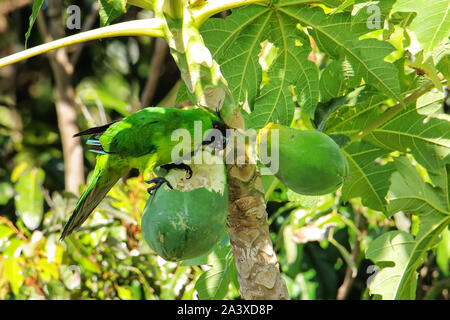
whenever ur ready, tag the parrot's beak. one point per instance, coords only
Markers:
(224, 141)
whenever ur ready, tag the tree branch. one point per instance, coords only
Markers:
(391, 112)
(145, 27)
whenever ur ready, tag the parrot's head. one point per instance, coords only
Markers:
(217, 138)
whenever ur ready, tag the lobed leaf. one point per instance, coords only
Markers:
(213, 284)
(410, 194)
(338, 36)
(418, 130)
(110, 10)
(432, 23)
(369, 179)
(235, 43)
(441, 56)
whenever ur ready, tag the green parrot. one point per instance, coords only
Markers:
(143, 141)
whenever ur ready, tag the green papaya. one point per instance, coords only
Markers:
(310, 162)
(187, 221)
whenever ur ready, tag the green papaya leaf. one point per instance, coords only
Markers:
(110, 10)
(6, 192)
(352, 112)
(369, 177)
(408, 193)
(337, 35)
(29, 199)
(443, 253)
(123, 292)
(5, 232)
(344, 5)
(426, 65)
(441, 56)
(336, 78)
(237, 44)
(13, 272)
(213, 284)
(37, 4)
(420, 129)
(394, 246)
(432, 23)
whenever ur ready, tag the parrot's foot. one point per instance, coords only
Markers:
(158, 182)
(183, 166)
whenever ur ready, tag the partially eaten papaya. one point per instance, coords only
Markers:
(187, 221)
(310, 162)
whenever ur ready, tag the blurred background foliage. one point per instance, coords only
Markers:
(319, 241)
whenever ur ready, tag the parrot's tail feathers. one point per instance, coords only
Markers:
(96, 146)
(101, 151)
(94, 130)
(93, 142)
(86, 204)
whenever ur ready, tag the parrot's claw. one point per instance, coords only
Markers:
(158, 182)
(183, 166)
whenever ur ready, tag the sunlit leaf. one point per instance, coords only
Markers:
(37, 4)
(432, 23)
(410, 194)
(29, 199)
(213, 284)
(123, 292)
(338, 37)
(236, 46)
(109, 10)
(443, 253)
(13, 272)
(395, 246)
(420, 130)
(369, 178)
(6, 192)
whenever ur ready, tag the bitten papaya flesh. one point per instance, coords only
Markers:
(187, 221)
(310, 162)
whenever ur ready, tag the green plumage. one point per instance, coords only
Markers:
(141, 140)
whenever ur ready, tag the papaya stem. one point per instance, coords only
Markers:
(145, 27)
(391, 112)
(210, 8)
(146, 4)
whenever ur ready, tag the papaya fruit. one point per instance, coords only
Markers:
(310, 162)
(187, 221)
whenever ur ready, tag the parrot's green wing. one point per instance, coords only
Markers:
(150, 130)
(142, 132)
(142, 140)
(108, 170)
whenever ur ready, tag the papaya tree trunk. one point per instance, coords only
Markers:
(256, 262)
